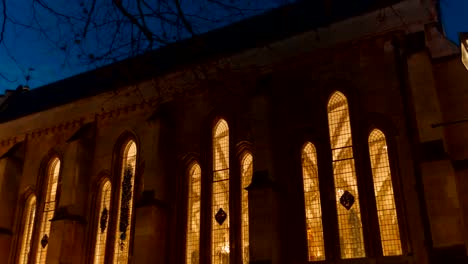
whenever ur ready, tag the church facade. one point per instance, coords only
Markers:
(305, 135)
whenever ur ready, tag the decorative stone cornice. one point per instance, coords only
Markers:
(69, 125)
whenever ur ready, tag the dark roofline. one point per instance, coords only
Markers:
(253, 32)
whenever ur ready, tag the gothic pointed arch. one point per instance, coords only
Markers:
(193, 213)
(313, 210)
(124, 181)
(384, 194)
(49, 200)
(27, 226)
(345, 178)
(102, 215)
(220, 233)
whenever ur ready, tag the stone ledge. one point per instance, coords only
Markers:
(62, 214)
(147, 199)
(5, 231)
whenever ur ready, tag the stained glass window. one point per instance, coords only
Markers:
(246, 171)
(384, 197)
(28, 225)
(53, 171)
(313, 211)
(125, 205)
(344, 174)
(102, 222)
(193, 215)
(220, 198)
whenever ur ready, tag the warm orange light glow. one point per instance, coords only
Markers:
(464, 49)
(384, 197)
(313, 210)
(344, 173)
(28, 224)
(193, 216)
(220, 199)
(122, 241)
(247, 171)
(49, 209)
(101, 230)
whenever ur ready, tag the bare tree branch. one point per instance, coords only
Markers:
(4, 20)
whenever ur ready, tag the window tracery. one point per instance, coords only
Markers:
(313, 211)
(246, 178)
(384, 196)
(346, 189)
(103, 219)
(125, 204)
(220, 195)
(193, 216)
(28, 220)
(53, 171)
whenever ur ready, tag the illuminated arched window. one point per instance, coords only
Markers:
(313, 210)
(247, 171)
(383, 189)
(344, 174)
(193, 215)
(125, 204)
(104, 198)
(53, 171)
(220, 198)
(28, 224)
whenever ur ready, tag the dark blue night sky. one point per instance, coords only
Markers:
(26, 50)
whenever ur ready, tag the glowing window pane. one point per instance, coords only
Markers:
(125, 208)
(49, 209)
(312, 203)
(102, 222)
(383, 189)
(247, 171)
(193, 223)
(220, 199)
(344, 174)
(28, 220)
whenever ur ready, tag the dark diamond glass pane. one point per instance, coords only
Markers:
(44, 241)
(347, 200)
(220, 216)
(103, 219)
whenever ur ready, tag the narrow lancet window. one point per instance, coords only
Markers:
(344, 174)
(313, 211)
(384, 197)
(125, 206)
(220, 198)
(193, 215)
(28, 224)
(52, 177)
(246, 171)
(102, 222)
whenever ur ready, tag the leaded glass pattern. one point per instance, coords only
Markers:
(125, 205)
(193, 215)
(220, 197)
(102, 222)
(53, 171)
(246, 173)
(344, 174)
(313, 211)
(28, 225)
(384, 197)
